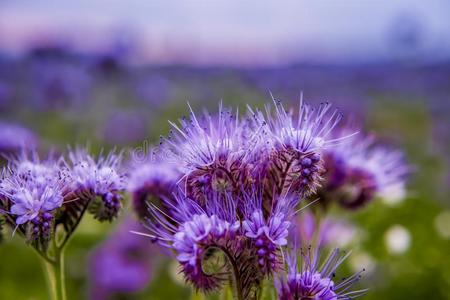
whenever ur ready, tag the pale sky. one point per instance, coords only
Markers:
(233, 31)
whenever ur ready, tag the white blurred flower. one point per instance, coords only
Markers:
(362, 260)
(397, 239)
(394, 194)
(442, 224)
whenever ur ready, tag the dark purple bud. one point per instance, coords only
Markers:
(306, 162)
(259, 242)
(47, 216)
(315, 157)
(306, 172)
(261, 252)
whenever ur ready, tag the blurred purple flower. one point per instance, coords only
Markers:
(58, 85)
(153, 89)
(150, 182)
(124, 127)
(123, 264)
(13, 138)
(331, 231)
(358, 170)
(5, 95)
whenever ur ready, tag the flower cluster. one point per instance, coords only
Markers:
(38, 195)
(221, 191)
(98, 179)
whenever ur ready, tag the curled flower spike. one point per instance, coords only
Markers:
(235, 228)
(358, 170)
(213, 152)
(309, 280)
(193, 233)
(99, 177)
(268, 234)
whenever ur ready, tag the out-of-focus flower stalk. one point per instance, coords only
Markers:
(54, 271)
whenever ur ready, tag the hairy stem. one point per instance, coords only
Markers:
(237, 284)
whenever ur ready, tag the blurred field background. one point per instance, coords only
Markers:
(110, 74)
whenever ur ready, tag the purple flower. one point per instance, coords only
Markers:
(331, 231)
(124, 127)
(311, 281)
(39, 196)
(122, 264)
(358, 170)
(202, 230)
(30, 201)
(58, 85)
(268, 235)
(151, 181)
(99, 177)
(227, 224)
(31, 192)
(192, 231)
(153, 89)
(293, 147)
(214, 153)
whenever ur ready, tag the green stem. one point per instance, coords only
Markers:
(55, 276)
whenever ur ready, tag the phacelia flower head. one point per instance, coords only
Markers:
(311, 280)
(212, 151)
(31, 191)
(100, 178)
(293, 149)
(150, 181)
(358, 170)
(193, 232)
